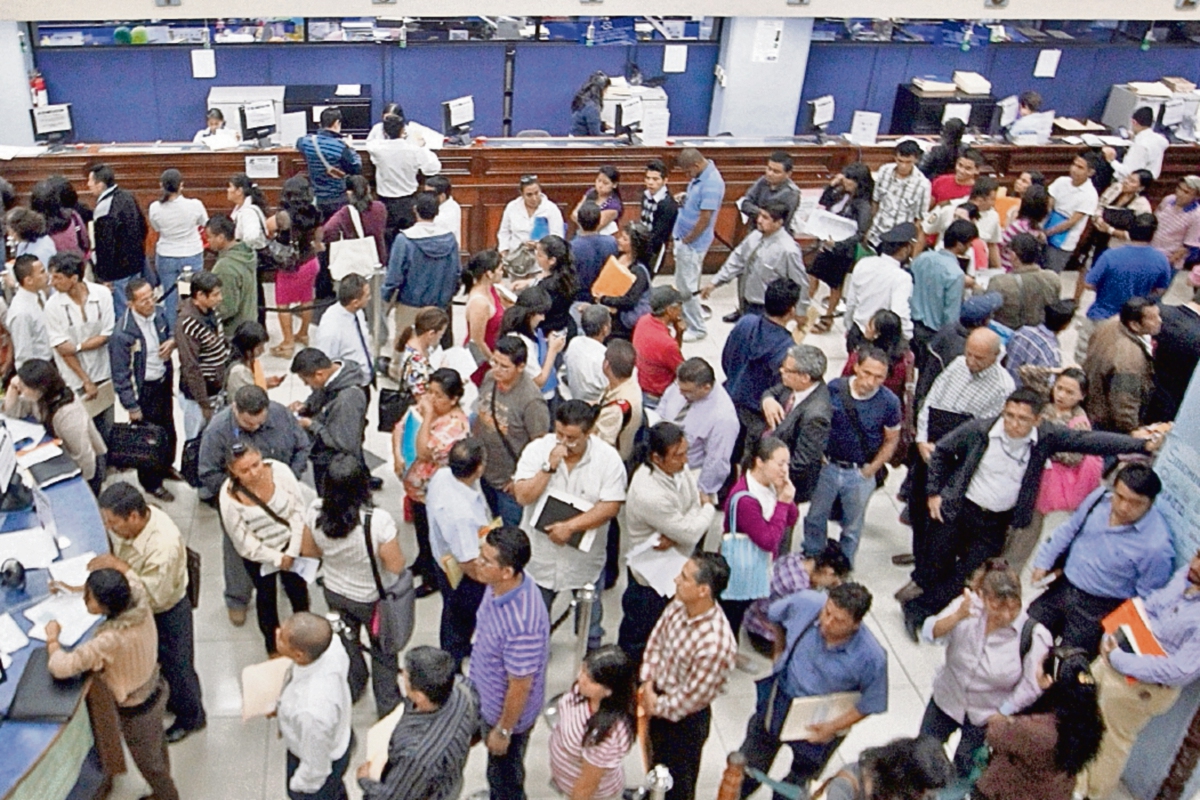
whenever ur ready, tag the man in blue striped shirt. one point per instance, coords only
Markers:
(330, 160)
(508, 660)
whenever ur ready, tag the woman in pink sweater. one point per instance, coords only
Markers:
(762, 508)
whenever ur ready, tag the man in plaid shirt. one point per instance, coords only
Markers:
(901, 193)
(687, 660)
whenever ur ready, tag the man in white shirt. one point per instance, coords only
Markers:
(1075, 198)
(570, 463)
(397, 162)
(1147, 149)
(314, 708)
(584, 358)
(26, 319)
(881, 282)
(519, 215)
(343, 334)
(79, 319)
(449, 216)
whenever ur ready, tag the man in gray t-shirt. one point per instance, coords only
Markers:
(510, 413)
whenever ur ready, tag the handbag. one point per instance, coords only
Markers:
(189, 466)
(353, 256)
(395, 611)
(749, 564)
(394, 403)
(139, 445)
(193, 574)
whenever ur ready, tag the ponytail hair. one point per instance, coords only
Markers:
(249, 188)
(171, 181)
(481, 263)
(430, 318)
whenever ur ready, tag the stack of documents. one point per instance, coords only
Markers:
(1180, 85)
(659, 568)
(825, 226)
(70, 612)
(934, 85)
(1149, 89)
(33, 547)
(261, 686)
(972, 83)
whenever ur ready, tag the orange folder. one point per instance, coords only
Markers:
(614, 279)
(1132, 614)
(1004, 205)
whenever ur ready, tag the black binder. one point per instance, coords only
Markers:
(556, 510)
(53, 470)
(40, 697)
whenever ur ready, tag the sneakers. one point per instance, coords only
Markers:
(693, 336)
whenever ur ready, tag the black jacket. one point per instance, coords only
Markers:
(120, 228)
(959, 452)
(127, 353)
(662, 225)
(805, 430)
(947, 344)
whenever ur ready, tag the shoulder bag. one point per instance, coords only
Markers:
(336, 173)
(395, 610)
(512, 453)
(394, 403)
(749, 564)
(275, 255)
(1060, 563)
(353, 256)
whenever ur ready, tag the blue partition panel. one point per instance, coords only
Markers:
(421, 78)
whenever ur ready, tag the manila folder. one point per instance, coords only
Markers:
(261, 686)
(815, 710)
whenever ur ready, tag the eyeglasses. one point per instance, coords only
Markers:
(526, 180)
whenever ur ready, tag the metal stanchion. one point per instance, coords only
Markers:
(583, 621)
(659, 782)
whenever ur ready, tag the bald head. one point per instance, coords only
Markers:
(304, 637)
(983, 348)
(691, 161)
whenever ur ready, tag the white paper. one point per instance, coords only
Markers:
(462, 111)
(261, 686)
(293, 126)
(656, 123)
(825, 226)
(72, 571)
(675, 58)
(71, 613)
(1047, 64)
(1009, 108)
(1172, 112)
(1091, 140)
(204, 63)
(956, 111)
(52, 119)
(8, 458)
(659, 568)
(768, 40)
(20, 429)
(12, 638)
(823, 109)
(815, 710)
(317, 111)
(348, 90)
(864, 128)
(36, 454)
(33, 547)
(259, 114)
(301, 565)
(262, 167)
(378, 738)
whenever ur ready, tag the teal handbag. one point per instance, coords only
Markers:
(749, 564)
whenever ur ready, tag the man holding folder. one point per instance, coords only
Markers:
(826, 651)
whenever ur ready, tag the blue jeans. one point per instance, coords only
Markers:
(688, 264)
(169, 269)
(595, 629)
(118, 291)
(503, 505)
(848, 484)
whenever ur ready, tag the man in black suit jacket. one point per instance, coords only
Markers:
(984, 477)
(120, 240)
(798, 411)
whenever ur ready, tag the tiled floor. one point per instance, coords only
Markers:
(235, 760)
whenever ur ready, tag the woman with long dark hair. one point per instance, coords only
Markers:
(902, 769)
(940, 160)
(606, 195)
(249, 210)
(1034, 208)
(245, 368)
(595, 728)
(485, 308)
(635, 254)
(848, 195)
(297, 287)
(372, 215)
(335, 533)
(524, 319)
(560, 282)
(178, 220)
(1039, 751)
(56, 200)
(38, 390)
(586, 104)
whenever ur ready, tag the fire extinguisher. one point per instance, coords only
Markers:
(37, 89)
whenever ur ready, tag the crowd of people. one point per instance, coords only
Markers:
(574, 435)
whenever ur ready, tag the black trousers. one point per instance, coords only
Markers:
(459, 607)
(265, 601)
(334, 787)
(424, 566)
(401, 215)
(677, 746)
(384, 671)
(761, 746)
(957, 548)
(1070, 612)
(939, 725)
(177, 661)
(922, 335)
(157, 407)
(735, 612)
(641, 607)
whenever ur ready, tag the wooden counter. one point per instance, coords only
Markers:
(486, 178)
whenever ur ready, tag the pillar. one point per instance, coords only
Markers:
(760, 95)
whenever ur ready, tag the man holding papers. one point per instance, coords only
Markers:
(827, 651)
(1136, 688)
(569, 469)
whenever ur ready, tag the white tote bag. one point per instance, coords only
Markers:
(353, 256)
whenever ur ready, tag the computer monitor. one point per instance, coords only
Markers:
(627, 118)
(258, 120)
(819, 114)
(52, 124)
(457, 117)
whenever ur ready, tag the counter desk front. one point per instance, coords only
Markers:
(485, 176)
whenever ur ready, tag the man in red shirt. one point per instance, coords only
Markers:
(656, 340)
(958, 185)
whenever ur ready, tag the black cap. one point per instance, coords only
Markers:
(901, 234)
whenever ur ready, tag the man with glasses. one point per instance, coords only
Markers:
(518, 224)
(510, 413)
(798, 411)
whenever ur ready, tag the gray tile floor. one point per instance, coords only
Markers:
(235, 760)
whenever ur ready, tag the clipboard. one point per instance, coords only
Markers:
(806, 711)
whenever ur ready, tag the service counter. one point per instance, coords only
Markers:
(485, 176)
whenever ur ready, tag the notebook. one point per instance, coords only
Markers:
(54, 470)
(40, 697)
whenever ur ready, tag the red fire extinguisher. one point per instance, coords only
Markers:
(37, 89)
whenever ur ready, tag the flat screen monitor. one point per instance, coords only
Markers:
(458, 115)
(820, 112)
(52, 123)
(258, 119)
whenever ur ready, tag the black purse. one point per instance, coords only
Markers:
(394, 403)
(139, 445)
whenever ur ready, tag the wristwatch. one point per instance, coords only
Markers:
(546, 466)
(504, 732)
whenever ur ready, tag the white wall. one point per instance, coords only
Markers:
(15, 127)
(759, 98)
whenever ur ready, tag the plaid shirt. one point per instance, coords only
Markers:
(688, 658)
(1032, 346)
(959, 391)
(899, 199)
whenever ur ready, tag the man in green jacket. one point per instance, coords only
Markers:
(237, 266)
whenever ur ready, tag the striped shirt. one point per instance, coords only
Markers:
(339, 155)
(254, 533)
(512, 640)
(688, 658)
(428, 750)
(203, 352)
(1032, 345)
(900, 200)
(959, 391)
(568, 752)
